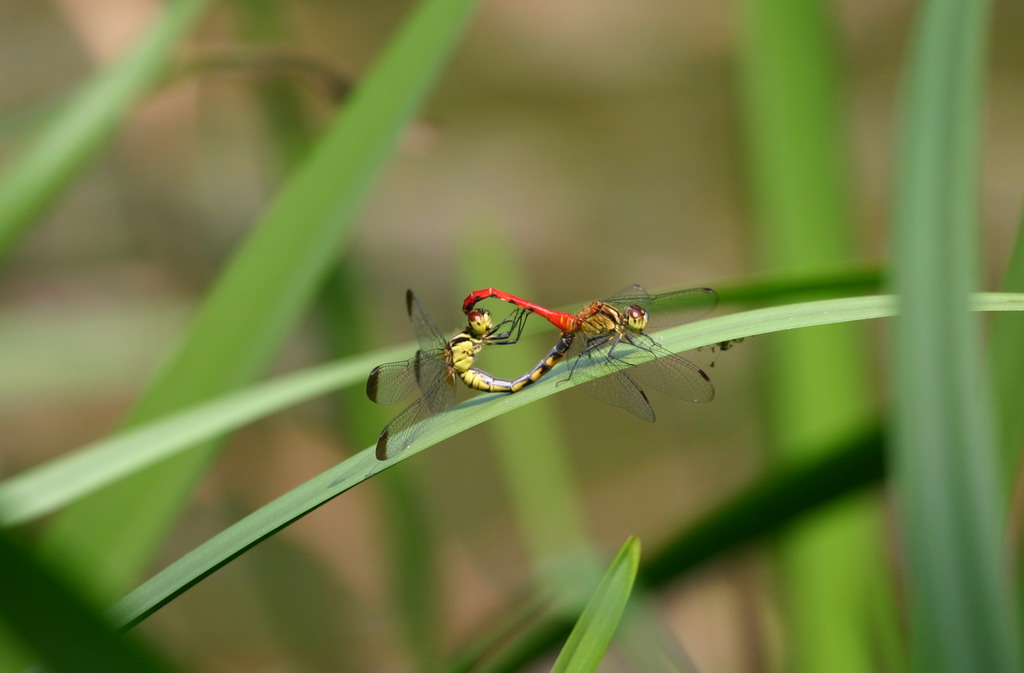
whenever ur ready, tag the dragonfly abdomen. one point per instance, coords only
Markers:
(563, 321)
(481, 380)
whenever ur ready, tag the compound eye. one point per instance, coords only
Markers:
(479, 320)
(636, 318)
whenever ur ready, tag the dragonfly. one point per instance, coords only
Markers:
(607, 346)
(433, 370)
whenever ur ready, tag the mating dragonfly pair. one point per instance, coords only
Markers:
(605, 344)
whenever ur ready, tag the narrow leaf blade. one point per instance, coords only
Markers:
(959, 591)
(589, 639)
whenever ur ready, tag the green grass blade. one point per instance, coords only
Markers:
(244, 534)
(262, 294)
(80, 130)
(46, 488)
(44, 614)
(593, 632)
(944, 460)
(799, 169)
(789, 286)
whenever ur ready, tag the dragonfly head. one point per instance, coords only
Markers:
(636, 318)
(480, 322)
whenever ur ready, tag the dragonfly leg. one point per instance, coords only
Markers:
(590, 344)
(516, 321)
(642, 342)
(596, 341)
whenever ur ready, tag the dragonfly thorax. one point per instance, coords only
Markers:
(462, 350)
(598, 318)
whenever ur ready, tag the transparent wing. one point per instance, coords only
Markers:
(630, 293)
(590, 365)
(677, 377)
(669, 308)
(432, 370)
(393, 382)
(655, 367)
(412, 421)
(620, 390)
(428, 335)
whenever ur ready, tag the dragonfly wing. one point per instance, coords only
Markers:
(628, 294)
(428, 335)
(655, 367)
(392, 382)
(618, 388)
(681, 306)
(436, 384)
(677, 377)
(412, 421)
(399, 434)
(669, 308)
(429, 370)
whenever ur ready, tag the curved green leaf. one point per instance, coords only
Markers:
(48, 487)
(235, 540)
(593, 632)
(960, 596)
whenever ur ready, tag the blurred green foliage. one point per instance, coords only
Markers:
(282, 173)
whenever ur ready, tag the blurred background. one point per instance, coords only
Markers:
(578, 146)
